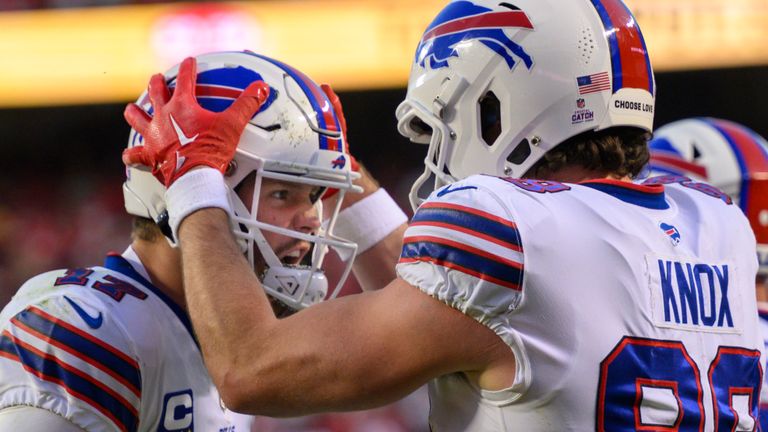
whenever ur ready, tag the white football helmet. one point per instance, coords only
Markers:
(295, 137)
(729, 156)
(547, 70)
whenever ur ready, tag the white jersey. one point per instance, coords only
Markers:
(762, 309)
(628, 307)
(108, 351)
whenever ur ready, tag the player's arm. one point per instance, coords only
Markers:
(374, 222)
(371, 219)
(351, 353)
(27, 418)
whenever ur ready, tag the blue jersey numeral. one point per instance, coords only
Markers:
(538, 186)
(110, 285)
(661, 376)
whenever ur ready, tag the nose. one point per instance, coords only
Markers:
(307, 221)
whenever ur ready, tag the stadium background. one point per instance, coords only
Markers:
(60, 170)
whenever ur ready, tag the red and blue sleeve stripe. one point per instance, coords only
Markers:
(69, 338)
(77, 383)
(320, 104)
(469, 221)
(466, 259)
(630, 63)
(455, 253)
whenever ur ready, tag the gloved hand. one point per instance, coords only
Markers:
(336, 103)
(181, 134)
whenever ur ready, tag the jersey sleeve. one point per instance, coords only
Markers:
(463, 248)
(63, 352)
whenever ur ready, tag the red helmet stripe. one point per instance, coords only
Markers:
(203, 90)
(678, 163)
(629, 57)
(484, 20)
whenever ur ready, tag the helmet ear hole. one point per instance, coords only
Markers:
(490, 117)
(418, 126)
(520, 153)
(696, 151)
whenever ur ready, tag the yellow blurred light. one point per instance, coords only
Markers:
(74, 56)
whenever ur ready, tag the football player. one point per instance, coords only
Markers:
(111, 347)
(548, 293)
(734, 159)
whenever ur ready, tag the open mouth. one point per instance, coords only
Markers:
(295, 255)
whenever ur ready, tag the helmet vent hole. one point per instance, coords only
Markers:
(520, 153)
(490, 117)
(586, 45)
(696, 151)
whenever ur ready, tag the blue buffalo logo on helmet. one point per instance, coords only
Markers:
(339, 162)
(218, 88)
(463, 20)
(671, 232)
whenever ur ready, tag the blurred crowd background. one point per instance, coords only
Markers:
(60, 170)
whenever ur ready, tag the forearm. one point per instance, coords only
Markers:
(377, 225)
(375, 268)
(227, 304)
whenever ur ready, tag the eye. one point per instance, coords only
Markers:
(280, 194)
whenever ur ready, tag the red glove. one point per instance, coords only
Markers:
(336, 103)
(182, 135)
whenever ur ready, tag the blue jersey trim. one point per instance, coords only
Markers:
(651, 200)
(121, 265)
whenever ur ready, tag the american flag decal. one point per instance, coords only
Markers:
(593, 83)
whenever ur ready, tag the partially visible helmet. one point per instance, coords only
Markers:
(495, 85)
(295, 137)
(726, 155)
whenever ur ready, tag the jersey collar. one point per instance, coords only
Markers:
(120, 264)
(648, 196)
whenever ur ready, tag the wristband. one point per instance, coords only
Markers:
(197, 189)
(368, 221)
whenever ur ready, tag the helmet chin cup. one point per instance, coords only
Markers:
(297, 287)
